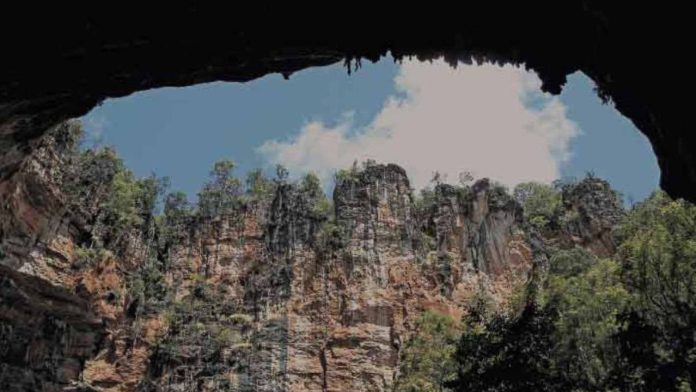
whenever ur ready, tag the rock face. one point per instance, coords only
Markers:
(591, 210)
(270, 296)
(334, 320)
(46, 334)
(31, 207)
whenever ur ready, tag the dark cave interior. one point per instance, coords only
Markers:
(62, 61)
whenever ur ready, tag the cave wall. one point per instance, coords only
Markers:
(61, 60)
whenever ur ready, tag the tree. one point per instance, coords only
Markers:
(90, 177)
(427, 362)
(151, 189)
(176, 207)
(122, 208)
(282, 174)
(67, 137)
(658, 253)
(318, 205)
(311, 186)
(562, 340)
(221, 195)
(131, 205)
(258, 186)
(506, 354)
(585, 296)
(540, 203)
(177, 216)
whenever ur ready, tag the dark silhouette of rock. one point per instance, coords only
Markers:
(60, 60)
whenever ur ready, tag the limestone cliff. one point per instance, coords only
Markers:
(270, 296)
(46, 334)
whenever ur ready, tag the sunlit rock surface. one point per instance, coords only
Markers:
(264, 302)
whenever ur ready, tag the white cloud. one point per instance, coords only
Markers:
(473, 118)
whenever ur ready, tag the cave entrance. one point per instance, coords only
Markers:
(217, 280)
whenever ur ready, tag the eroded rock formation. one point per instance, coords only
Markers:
(271, 295)
(46, 334)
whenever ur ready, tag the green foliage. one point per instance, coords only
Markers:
(149, 193)
(177, 212)
(540, 203)
(241, 319)
(498, 196)
(322, 208)
(222, 171)
(148, 289)
(330, 237)
(658, 251)
(561, 341)
(311, 186)
(427, 362)
(98, 184)
(176, 205)
(658, 246)
(225, 337)
(343, 175)
(175, 223)
(122, 205)
(480, 308)
(506, 354)
(89, 176)
(282, 174)
(85, 257)
(425, 201)
(221, 195)
(318, 206)
(590, 325)
(570, 262)
(258, 186)
(347, 174)
(67, 138)
(599, 325)
(130, 205)
(585, 305)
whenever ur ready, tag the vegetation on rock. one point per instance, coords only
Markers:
(607, 299)
(427, 361)
(599, 324)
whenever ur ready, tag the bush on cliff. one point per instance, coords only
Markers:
(427, 362)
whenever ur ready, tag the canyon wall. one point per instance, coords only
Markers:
(269, 296)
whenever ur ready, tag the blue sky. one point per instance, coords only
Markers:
(487, 119)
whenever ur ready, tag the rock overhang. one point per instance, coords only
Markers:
(62, 60)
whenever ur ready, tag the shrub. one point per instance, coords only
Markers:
(540, 203)
(427, 362)
(241, 319)
(86, 257)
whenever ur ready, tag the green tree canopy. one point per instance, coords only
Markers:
(540, 203)
(562, 340)
(258, 186)
(427, 362)
(658, 252)
(221, 194)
